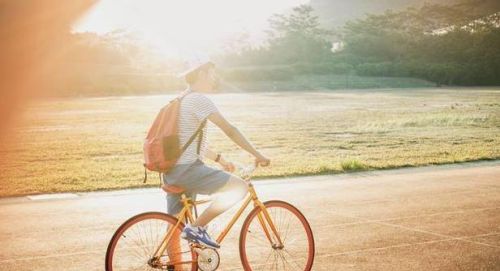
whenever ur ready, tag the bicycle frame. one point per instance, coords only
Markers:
(186, 215)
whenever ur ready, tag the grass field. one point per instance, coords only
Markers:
(336, 82)
(85, 144)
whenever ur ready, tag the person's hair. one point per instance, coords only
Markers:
(193, 76)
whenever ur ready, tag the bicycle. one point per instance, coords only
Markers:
(274, 236)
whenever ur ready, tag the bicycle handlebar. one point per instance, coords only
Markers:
(245, 171)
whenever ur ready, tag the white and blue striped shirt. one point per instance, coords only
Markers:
(195, 107)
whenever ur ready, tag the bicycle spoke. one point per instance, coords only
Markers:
(276, 261)
(268, 256)
(150, 238)
(285, 234)
(139, 242)
(261, 238)
(284, 262)
(288, 263)
(280, 220)
(297, 256)
(127, 240)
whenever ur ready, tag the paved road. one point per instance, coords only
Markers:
(431, 218)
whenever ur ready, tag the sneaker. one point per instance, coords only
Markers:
(198, 235)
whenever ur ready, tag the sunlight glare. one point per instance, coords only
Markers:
(184, 27)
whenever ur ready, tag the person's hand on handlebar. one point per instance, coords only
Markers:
(227, 165)
(261, 160)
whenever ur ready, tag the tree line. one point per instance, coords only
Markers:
(446, 44)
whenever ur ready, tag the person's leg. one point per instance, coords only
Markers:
(174, 250)
(231, 193)
(227, 190)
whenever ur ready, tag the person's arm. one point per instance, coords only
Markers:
(237, 137)
(210, 154)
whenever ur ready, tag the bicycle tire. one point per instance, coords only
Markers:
(253, 254)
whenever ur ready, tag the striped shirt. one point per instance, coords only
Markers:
(195, 107)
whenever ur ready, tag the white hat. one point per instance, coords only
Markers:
(195, 63)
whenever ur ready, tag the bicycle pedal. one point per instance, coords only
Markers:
(189, 240)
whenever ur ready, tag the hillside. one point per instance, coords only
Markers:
(334, 13)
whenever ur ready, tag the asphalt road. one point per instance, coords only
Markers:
(431, 218)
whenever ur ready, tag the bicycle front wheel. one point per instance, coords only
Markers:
(134, 243)
(257, 252)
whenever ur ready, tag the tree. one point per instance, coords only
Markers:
(444, 44)
(297, 37)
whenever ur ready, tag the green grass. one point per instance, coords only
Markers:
(86, 144)
(335, 82)
(353, 165)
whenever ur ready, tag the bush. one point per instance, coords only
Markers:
(353, 165)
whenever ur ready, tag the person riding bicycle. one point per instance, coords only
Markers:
(190, 172)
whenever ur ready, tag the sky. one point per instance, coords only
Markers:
(184, 27)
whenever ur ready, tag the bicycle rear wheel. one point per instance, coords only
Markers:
(134, 243)
(258, 253)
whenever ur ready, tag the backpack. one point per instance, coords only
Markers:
(162, 145)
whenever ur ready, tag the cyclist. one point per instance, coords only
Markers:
(190, 172)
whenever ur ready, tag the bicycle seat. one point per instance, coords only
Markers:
(170, 188)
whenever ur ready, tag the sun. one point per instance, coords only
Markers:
(179, 28)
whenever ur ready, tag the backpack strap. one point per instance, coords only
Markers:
(200, 137)
(180, 97)
(199, 133)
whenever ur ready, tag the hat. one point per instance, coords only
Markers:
(195, 63)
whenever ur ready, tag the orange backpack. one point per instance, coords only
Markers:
(162, 145)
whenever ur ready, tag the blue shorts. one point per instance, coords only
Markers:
(195, 178)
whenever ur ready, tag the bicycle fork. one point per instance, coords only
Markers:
(264, 217)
